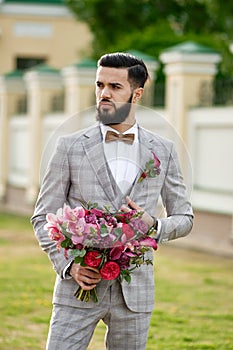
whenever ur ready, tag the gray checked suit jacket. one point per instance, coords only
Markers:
(78, 173)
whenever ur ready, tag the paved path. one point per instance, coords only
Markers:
(211, 233)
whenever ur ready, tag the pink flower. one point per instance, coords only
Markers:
(79, 212)
(77, 240)
(116, 252)
(156, 160)
(97, 212)
(124, 261)
(76, 227)
(56, 235)
(127, 231)
(52, 220)
(139, 225)
(68, 213)
(148, 242)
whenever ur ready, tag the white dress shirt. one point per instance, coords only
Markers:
(122, 158)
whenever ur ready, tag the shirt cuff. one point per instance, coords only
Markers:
(64, 272)
(156, 236)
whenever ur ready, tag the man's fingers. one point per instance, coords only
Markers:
(86, 277)
(132, 204)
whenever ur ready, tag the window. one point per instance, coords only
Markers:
(28, 62)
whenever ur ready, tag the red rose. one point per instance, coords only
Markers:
(144, 175)
(92, 259)
(128, 231)
(110, 270)
(97, 212)
(122, 217)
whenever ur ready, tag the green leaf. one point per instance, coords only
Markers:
(78, 260)
(78, 253)
(118, 232)
(67, 243)
(125, 275)
(91, 205)
(103, 231)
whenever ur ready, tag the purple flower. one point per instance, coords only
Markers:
(156, 160)
(148, 242)
(91, 218)
(139, 225)
(116, 252)
(124, 262)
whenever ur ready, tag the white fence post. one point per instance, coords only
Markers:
(41, 84)
(79, 81)
(11, 88)
(187, 65)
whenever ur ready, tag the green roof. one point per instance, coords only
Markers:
(44, 68)
(17, 73)
(86, 63)
(142, 55)
(190, 47)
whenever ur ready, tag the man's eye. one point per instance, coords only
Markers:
(115, 86)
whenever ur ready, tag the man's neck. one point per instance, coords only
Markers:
(122, 127)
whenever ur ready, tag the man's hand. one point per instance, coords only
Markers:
(132, 205)
(86, 277)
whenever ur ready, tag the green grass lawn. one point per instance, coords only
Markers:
(193, 306)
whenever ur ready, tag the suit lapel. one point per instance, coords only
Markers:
(145, 149)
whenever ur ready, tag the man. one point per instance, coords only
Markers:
(88, 167)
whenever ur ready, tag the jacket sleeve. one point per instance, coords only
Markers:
(52, 196)
(179, 220)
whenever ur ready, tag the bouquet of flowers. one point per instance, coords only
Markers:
(115, 243)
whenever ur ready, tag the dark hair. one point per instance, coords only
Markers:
(137, 71)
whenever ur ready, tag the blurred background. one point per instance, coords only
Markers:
(48, 55)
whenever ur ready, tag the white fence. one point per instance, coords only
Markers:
(210, 144)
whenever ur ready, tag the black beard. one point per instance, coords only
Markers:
(118, 116)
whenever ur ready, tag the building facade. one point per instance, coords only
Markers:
(40, 31)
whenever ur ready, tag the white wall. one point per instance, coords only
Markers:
(210, 144)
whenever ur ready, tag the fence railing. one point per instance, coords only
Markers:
(217, 93)
(159, 94)
(223, 92)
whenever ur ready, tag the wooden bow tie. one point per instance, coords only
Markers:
(113, 136)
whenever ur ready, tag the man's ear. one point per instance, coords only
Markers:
(137, 94)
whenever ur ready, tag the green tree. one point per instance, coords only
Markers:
(153, 25)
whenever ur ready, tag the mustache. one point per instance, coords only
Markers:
(106, 100)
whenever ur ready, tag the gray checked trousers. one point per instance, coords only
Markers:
(72, 328)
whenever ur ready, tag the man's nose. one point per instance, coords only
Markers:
(105, 93)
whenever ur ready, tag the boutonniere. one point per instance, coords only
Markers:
(152, 168)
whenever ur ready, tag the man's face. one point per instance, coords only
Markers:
(113, 95)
